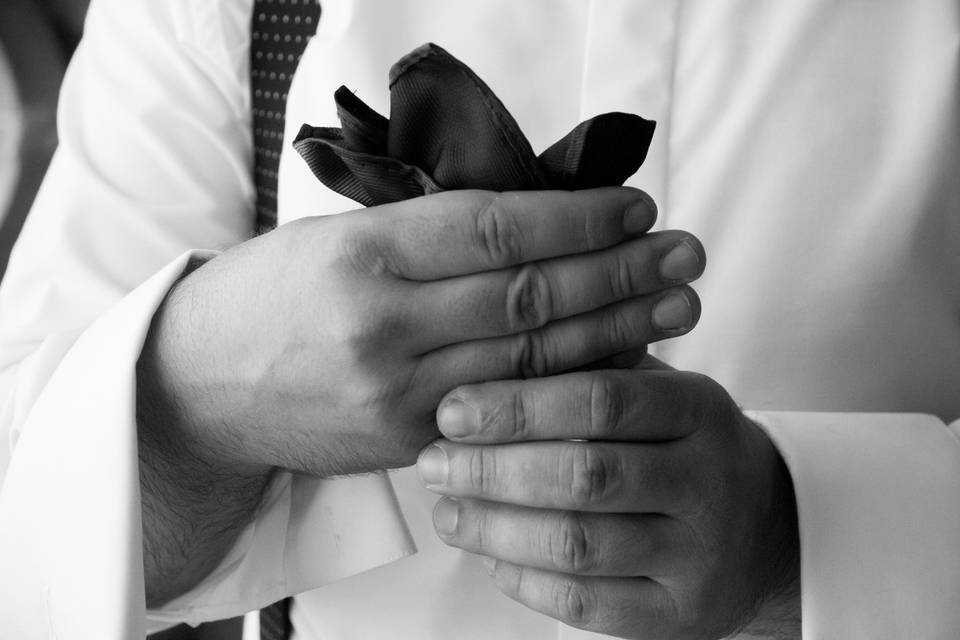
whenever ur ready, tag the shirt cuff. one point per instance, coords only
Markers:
(309, 532)
(70, 528)
(70, 543)
(877, 501)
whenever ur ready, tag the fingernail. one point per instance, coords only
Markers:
(680, 263)
(489, 564)
(672, 312)
(457, 419)
(640, 216)
(432, 466)
(445, 516)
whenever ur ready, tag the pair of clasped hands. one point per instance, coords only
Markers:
(638, 502)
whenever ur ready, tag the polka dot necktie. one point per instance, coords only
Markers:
(280, 32)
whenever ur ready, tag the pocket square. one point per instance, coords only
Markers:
(448, 130)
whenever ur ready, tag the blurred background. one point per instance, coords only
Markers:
(37, 38)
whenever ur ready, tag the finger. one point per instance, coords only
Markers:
(565, 344)
(607, 544)
(628, 359)
(629, 406)
(580, 476)
(461, 232)
(632, 359)
(510, 301)
(623, 607)
(649, 363)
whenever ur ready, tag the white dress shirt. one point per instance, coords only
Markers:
(810, 144)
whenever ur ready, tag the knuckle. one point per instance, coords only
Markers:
(568, 547)
(519, 417)
(482, 530)
(507, 420)
(620, 328)
(601, 222)
(482, 470)
(592, 475)
(359, 251)
(529, 301)
(364, 392)
(598, 231)
(498, 235)
(529, 355)
(574, 602)
(368, 334)
(606, 406)
(623, 279)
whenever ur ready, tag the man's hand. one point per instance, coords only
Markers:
(641, 504)
(326, 345)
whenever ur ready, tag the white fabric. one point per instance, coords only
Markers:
(810, 144)
(11, 133)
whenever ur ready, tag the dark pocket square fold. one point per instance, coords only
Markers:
(447, 130)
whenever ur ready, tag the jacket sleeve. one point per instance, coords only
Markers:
(153, 169)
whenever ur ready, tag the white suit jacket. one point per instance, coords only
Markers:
(811, 144)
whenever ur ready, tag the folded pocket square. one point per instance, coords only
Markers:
(447, 130)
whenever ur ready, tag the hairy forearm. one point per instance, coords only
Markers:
(194, 506)
(191, 515)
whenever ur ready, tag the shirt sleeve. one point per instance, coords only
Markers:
(877, 499)
(153, 169)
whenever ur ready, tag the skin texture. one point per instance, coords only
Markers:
(325, 346)
(641, 504)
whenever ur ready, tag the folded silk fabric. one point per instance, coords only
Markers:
(447, 130)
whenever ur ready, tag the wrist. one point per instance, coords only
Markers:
(180, 395)
(784, 529)
(778, 614)
(196, 497)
